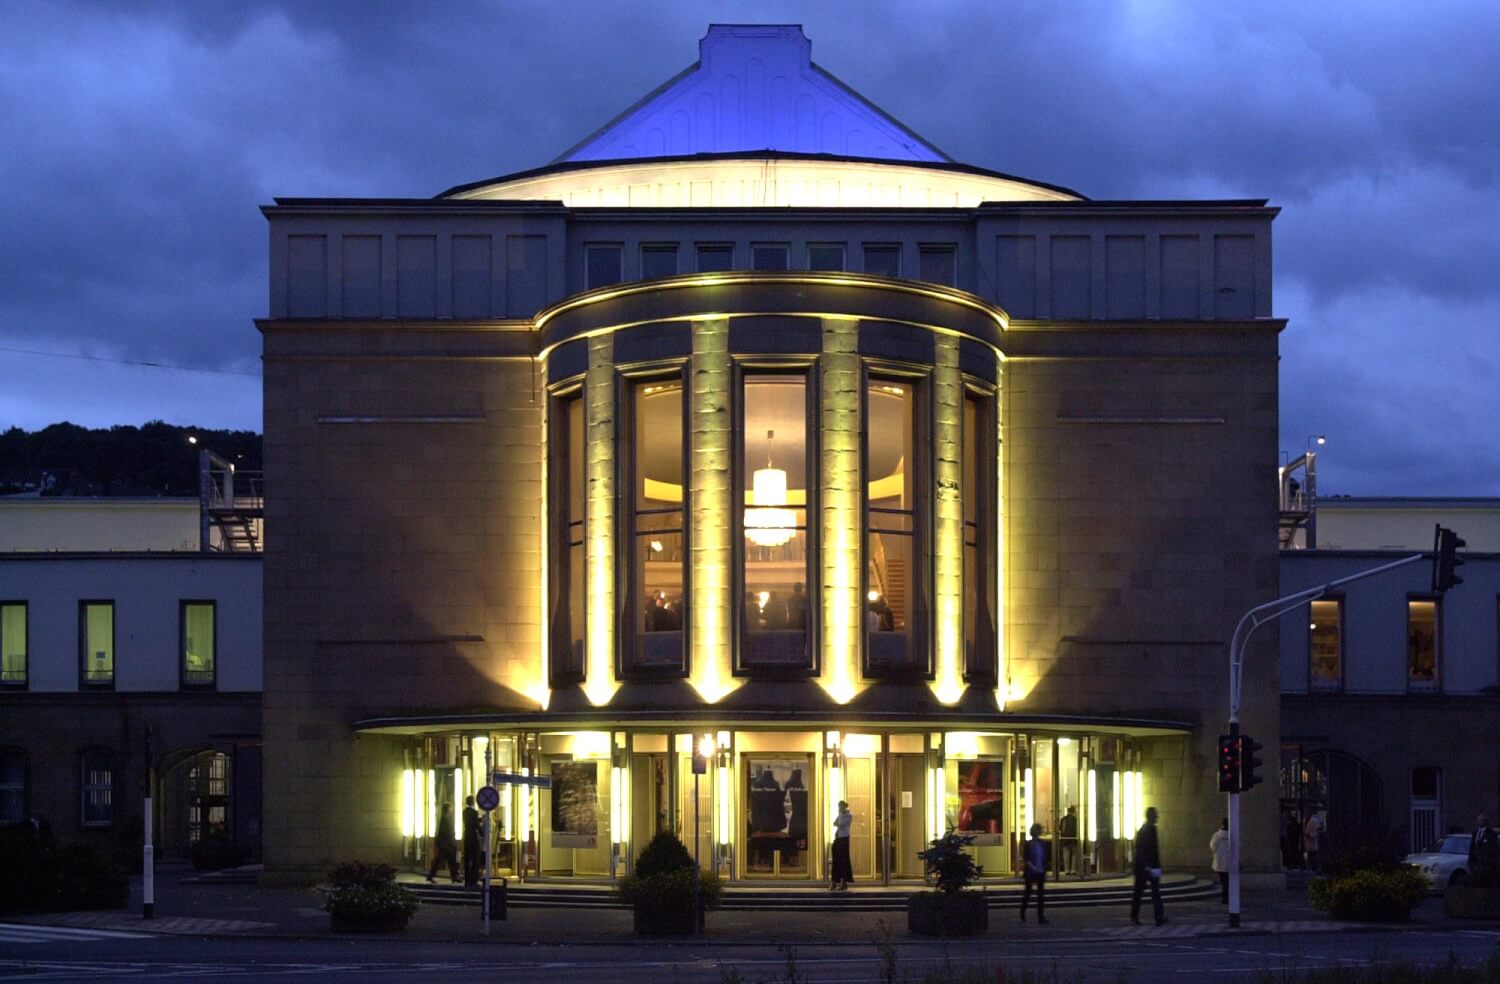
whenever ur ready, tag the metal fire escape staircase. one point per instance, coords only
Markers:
(231, 506)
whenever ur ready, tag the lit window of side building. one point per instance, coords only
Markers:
(885, 478)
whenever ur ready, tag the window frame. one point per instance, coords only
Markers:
(1338, 686)
(982, 662)
(628, 664)
(660, 249)
(1418, 686)
(24, 682)
(182, 654)
(85, 787)
(561, 671)
(714, 247)
(893, 248)
(919, 618)
(588, 263)
(938, 249)
(808, 370)
(84, 683)
(785, 249)
(843, 251)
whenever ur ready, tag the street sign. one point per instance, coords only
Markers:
(516, 779)
(487, 798)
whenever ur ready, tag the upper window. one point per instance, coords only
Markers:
(12, 784)
(1326, 644)
(602, 264)
(658, 574)
(893, 587)
(96, 637)
(658, 260)
(770, 256)
(715, 257)
(568, 595)
(198, 643)
(883, 259)
(980, 509)
(13, 643)
(775, 468)
(1422, 643)
(825, 256)
(938, 264)
(97, 783)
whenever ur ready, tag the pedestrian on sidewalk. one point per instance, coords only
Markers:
(843, 869)
(444, 847)
(1219, 845)
(1312, 841)
(473, 849)
(1035, 854)
(1147, 869)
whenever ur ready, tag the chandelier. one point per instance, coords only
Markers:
(769, 523)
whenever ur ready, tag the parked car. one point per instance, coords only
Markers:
(1447, 863)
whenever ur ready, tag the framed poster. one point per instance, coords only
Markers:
(575, 804)
(981, 800)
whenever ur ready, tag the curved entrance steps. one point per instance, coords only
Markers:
(742, 896)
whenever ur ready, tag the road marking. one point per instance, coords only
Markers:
(32, 933)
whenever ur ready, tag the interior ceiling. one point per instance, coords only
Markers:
(778, 406)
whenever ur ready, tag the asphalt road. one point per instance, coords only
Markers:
(35, 954)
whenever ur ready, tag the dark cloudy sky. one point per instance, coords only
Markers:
(138, 138)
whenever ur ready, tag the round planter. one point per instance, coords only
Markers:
(942, 914)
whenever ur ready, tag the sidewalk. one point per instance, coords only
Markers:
(186, 907)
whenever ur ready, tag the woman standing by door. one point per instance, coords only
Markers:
(843, 870)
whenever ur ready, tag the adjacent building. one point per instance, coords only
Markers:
(756, 425)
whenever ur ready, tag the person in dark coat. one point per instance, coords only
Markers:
(473, 849)
(1484, 846)
(444, 847)
(1147, 869)
(1035, 854)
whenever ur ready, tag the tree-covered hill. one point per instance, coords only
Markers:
(156, 459)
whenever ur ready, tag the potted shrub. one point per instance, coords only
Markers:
(660, 892)
(1370, 894)
(950, 910)
(366, 899)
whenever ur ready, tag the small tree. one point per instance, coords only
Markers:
(949, 864)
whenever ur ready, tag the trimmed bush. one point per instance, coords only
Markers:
(660, 891)
(1370, 895)
(953, 868)
(57, 879)
(665, 853)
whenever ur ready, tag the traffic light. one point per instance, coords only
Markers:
(1249, 763)
(1229, 764)
(1445, 547)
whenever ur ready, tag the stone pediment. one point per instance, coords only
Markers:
(754, 87)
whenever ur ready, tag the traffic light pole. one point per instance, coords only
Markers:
(1249, 622)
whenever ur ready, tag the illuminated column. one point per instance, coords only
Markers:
(840, 505)
(599, 471)
(1002, 607)
(948, 548)
(711, 510)
(541, 689)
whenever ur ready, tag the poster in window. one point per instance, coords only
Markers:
(981, 799)
(778, 800)
(575, 804)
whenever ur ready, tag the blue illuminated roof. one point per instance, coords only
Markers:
(753, 88)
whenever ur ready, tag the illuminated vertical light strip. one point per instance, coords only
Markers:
(524, 828)
(722, 793)
(839, 476)
(1030, 802)
(711, 512)
(948, 546)
(1002, 605)
(458, 799)
(431, 802)
(599, 527)
(1117, 827)
(1091, 811)
(408, 817)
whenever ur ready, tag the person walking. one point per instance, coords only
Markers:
(1484, 845)
(1312, 840)
(473, 849)
(1219, 845)
(1147, 869)
(843, 869)
(1067, 836)
(444, 847)
(1035, 854)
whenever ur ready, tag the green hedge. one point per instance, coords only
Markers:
(48, 878)
(1370, 895)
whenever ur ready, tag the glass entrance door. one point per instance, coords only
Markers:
(778, 806)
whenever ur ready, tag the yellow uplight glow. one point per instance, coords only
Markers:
(599, 683)
(1092, 811)
(432, 807)
(458, 798)
(839, 467)
(1029, 803)
(408, 798)
(722, 795)
(948, 552)
(1118, 827)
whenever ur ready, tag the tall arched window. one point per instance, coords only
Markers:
(895, 582)
(658, 594)
(565, 476)
(981, 512)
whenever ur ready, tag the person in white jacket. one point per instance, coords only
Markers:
(1219, 845)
